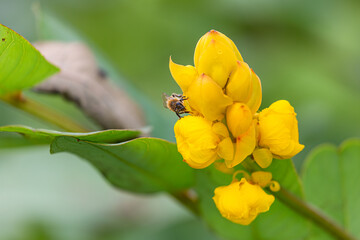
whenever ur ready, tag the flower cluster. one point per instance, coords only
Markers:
(223, 98)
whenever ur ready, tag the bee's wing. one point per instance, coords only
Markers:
(164, 97)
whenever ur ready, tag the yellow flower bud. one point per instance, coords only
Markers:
(218, 36)
(261, 178)
(239, 87)
(278, 130)
(245, 145)
(241, 202)
(183, 75)
(216, 56)
(196, 141)
(207, 98)
(238, 118)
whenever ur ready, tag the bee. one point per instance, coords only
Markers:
(175, 103)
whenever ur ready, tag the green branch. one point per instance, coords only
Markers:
(313, 214)
(304, 208)
(43, 112)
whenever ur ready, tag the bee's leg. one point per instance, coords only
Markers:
(178, 115)
(184, 98)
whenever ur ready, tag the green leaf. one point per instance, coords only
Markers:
(331, 182)
(142, 165)
(21, 65)
(46, 136)
(280, 222)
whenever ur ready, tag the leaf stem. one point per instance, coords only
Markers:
(304, 208)
(313, 214)
(43, 112)
(183, 197)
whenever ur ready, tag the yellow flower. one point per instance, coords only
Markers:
(196, 141)
(278, 130)
(241, 201)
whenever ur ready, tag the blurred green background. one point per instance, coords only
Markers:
(307, 52)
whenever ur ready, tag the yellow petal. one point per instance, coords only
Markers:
(220, 129)
(196, 141)
(218, 36)
(220, 165)
(217, 60)
(183, 75)
(245, 145)
(254, 101)
(206, 97)
(262, 157)
(261, 178)
(239, 86)
(238, 118)
(226, 149)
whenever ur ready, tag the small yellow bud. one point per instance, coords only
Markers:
(274, 186)
(263, 157)
(238, 118)
(261, 178)
(207, 98)
(241, 202)
(196, 141)
(278, 130)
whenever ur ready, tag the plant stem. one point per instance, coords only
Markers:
(311, 213)
(43, 112)
(184, 198)
(304, 208)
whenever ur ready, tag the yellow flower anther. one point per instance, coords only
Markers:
(241, 201)
(238, 118)
(261, 178)
(196, 141)
(278, 130)
(274, 186)
(263, 157)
